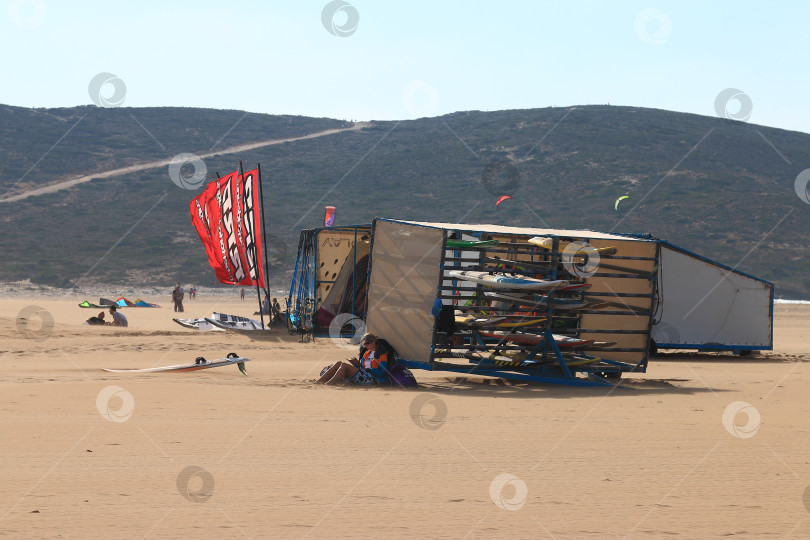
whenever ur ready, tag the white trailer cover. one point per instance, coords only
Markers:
(704, 303)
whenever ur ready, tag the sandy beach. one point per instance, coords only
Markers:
(90, 454)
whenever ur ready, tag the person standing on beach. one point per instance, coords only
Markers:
(182, 295)
(177, 298)
(242, 293)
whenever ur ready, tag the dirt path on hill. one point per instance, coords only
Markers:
(65, 184)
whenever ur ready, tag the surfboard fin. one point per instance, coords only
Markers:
(242, 368)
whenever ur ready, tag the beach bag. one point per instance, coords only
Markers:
(401, 376)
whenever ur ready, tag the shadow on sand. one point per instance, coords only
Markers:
(473, 385)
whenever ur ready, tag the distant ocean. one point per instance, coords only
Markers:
(785, 301)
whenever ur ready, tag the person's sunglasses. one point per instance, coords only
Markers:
(368, 341)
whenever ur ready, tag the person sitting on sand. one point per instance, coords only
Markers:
(98, 319)
(119, 319)
(372, 368)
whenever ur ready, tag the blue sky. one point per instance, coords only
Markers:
(413, 59)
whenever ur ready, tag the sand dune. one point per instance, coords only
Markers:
(91, 454)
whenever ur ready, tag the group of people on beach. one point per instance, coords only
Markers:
(272, 308)
(118, 318)
(371, 367)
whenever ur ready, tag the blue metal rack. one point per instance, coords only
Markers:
(303, 303)
(553, 365)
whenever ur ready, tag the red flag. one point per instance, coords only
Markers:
(251, 220)
(226, 216)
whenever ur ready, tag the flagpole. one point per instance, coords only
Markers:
(258, 292)
(264, 238)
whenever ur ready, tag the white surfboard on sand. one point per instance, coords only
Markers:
(200, 363)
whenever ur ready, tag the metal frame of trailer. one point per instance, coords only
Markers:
(325, 255)
(409, 265)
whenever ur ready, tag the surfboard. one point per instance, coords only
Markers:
(235, 325)
(200, 363)
(502, 281)
(540, 266)
(189, 323)
(604, 344)
(485, 356)
(547, 243)
(536, 301)
(596, 345)
(491, 357)
(573, 361)
(520, 265)
(570, 359)
(470, 243)
(527, 338)
(571, 287)
(472, 320)
(197, 324)
(515, 323)
(224, 317)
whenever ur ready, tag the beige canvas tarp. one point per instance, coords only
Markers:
(335, 264)
(405, 262)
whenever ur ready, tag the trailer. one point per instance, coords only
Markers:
(425, 299)
(629, 295)
(708, 306)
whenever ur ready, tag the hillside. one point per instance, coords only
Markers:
(730, 198)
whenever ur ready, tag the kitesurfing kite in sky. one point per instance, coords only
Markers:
(502, 198)
(620, 199)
